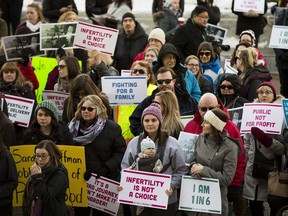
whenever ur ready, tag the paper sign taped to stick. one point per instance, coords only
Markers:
(247, 5)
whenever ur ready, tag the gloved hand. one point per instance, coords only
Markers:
(87, 175)
(25, 57)
(261, 137)
(103, 171)
(60, 52)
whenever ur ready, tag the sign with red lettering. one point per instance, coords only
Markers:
(266, 116)
(144, 189)
(57, 97)
(102, 194)
(96, 37)
(247, 5)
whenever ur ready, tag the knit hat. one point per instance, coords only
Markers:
(198, 10)
(146, 144)
(250, 33)
(157, 34)
(269, 84)
(48, 105)
(214, 120)
(153, 109)
(128, 14)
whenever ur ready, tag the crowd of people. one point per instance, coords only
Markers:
(184, 77)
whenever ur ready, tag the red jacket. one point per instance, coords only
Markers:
(194, 126)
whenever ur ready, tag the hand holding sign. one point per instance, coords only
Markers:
(263, 138)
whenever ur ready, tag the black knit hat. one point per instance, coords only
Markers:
(128, 14)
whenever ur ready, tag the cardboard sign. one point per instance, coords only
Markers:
(96, 37)
(73, 158)
(266, 116)
(57, 97)
(19, 109)
(124, 90)
(279, 37)
(285, 110)
(144, 189)
(246, 5)
(187, 142)
(102, 194)
(200, 195)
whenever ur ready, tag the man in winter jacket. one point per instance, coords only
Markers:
(131, 41)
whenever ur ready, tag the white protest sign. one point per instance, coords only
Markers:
(186, 119)
(102, 194)
(246, 5)
(144, 189)
(124, 90)
(266, 116)
(96, 37)
(200, 195)
(57, 97)
(125, 72)
(279, 37)
(19, 109)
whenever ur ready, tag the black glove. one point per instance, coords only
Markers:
(103, 171)
(284, 57)
(87, 175)
(25, 57)
(61, 52)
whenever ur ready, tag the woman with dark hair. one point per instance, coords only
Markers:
(82, 86)
(215, 154)
(168, 147)
(102, 140)
(69, 68)
(46, 187)
(8, 178)
(210, 64)
(45, 126)
(229, 91)
(240, 46)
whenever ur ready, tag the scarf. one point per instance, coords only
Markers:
(89, 133)
(33, 27)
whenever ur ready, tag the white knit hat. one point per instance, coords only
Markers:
(214, 120)
(147, 143)
(158, 34)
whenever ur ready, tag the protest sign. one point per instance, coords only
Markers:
(125, 72)
(186, 119)
(200, 195)
(257, 6)
(285, 110)
(19, 109)
(144, 189)
(73, 158)
(216, 33)
(124, 90)
(266, 116)
(279, 37)
(236, 116)
(102, 194)
(57, 97)
(187, 142)
(96, 37)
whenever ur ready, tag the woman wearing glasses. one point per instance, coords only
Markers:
(103, 142)
(46, 187)
(210, 64)
(193, 64)
(138, 68)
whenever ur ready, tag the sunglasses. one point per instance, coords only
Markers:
(140, 71)
(204, 109)
(236, 58)
(61, 66)
(166, 81)
(226, 86)
(205, 53)
(90, 109)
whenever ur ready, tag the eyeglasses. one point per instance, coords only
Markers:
(204, 109)
(204, 17)
(7, 72)
(265, 92)
(140, 71)
(246, 41)
(205, 53)
(42, 156)
(90, 109)
(193, 65)
(166, 81)
(226, 86)
(236, 58)
(61, 66)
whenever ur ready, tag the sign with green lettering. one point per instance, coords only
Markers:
(200, 195)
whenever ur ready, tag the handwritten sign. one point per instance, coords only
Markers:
(266, 116)
(246, 5)
(102, 194)
(285, 110)
(57, 97)
(73, 158)
(200, 195)
(279, 37)
(96, 37)
(144, 189)
(125, 90)
(19, 109)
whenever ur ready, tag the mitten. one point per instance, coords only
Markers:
(87, 175)
(25, 57)
(261, 137)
